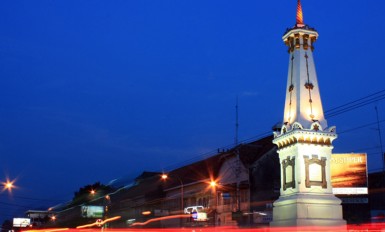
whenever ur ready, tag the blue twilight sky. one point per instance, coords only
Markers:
(96, 90)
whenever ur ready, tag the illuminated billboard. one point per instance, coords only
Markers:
(349, 173)
(21, 222)
(91, 211)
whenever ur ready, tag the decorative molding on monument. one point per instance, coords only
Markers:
(296, 134)
(300, 34)
(296, 126)
(297, 37)
(288, 172)
(314, 160)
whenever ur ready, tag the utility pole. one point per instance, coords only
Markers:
(381, 149)
(236, 122)
(238, 162)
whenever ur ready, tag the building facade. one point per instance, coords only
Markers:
(247, 183)
(233, 187)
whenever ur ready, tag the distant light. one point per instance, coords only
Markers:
(213, 183)
(93, 192)
(8, 185)
(164, 176)
(146, 212)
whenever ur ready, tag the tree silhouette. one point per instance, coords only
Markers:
(89, 192)
(6, 226)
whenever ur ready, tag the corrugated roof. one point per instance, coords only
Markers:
(209, 168)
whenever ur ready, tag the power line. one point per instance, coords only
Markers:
(343, 109)
(5, 214)
(371, 98)
(215, 151)
(354, 101)
(38, 199)
(375, 97)
(10, 204)
(360, 127)
(367, 148)
(375, 170)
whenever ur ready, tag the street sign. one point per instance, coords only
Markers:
(99, 222)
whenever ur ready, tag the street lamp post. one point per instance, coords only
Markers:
(164, 177)
(107, 203)
(213, 185)
(8, 185)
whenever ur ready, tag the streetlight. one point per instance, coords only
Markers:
(106, 204)
(213, 184)
(8, 185)
(164, 177)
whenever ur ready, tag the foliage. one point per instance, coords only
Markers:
(89, 193)
(6, 226)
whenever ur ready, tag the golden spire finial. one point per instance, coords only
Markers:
(299, 13)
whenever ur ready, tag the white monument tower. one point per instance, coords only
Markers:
(305, 141)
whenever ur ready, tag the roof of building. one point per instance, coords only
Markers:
(148, 184)
(209, 168)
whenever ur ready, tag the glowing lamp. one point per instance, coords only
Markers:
(146, 212)
(9, 185)
(213, 183)
(164, 176)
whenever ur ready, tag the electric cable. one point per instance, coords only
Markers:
(360, 127)
(355, 104)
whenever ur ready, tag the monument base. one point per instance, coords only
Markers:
(308, 210)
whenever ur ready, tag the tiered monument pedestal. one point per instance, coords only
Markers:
(308, 210)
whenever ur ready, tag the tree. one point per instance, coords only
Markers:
(7, 226)
(89, 192)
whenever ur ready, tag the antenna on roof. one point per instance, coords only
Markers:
(238, 163)
(236, 122)
(381, 149)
